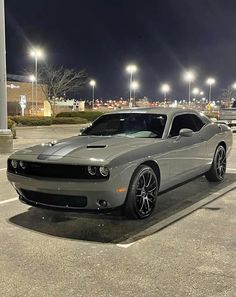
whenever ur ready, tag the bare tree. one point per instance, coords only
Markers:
(55, 82)
(227, 95)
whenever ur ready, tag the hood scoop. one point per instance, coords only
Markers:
(96, 146)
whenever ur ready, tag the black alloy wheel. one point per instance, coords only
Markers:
(218, 167)
(142, 193)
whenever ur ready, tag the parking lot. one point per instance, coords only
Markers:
(187, 248)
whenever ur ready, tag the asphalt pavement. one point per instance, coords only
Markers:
(187, 248)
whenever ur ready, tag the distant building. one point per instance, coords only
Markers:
(18, 86)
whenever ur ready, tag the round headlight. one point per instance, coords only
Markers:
(92, 170)
(14, 164)
(104, 171)
(22, 165)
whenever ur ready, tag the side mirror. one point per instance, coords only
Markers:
(186, 132)
(83, 129)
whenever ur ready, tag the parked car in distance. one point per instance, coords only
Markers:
(124, 159)
(228, 116)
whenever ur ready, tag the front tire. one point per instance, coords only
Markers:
(142, 193)
(218, 167)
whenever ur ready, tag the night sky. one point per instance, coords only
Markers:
(102, 36)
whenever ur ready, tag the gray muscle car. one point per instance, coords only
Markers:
(123, 159)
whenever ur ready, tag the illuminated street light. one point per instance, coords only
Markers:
(36, 53)
(234, 85)
(189, 77)
(196, 91)
(201, 93)
(93, 84)
(165, 88)
(131, 69)
(210, 81)
(32, 79)
(134, 87)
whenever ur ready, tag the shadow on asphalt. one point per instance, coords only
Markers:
(113, 228)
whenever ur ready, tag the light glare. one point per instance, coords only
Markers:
(189, 76)
(92, 83)
(165, 88)
(134, 85)
(195, 91)
(210, 81)
(32, 78)
(37, 52)
(131, 68)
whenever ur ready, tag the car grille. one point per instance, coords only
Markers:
(37, 169)
(46, 199)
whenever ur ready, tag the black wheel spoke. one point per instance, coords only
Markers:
(146, 191)
(221, 163)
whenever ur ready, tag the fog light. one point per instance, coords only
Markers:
(14, 164)
(104, 171)
(103, 203)
(92, 170)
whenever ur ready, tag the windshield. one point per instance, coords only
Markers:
(128, 124)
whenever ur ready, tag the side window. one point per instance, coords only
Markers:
(198, 122)
(181, 122)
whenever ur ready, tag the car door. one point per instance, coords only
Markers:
(185, 155)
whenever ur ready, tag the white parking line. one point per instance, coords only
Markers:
(174, 218)
(1, 169)
(231, 169)
(8, 200)
(125, 245)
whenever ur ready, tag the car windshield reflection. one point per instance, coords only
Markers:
(128, 125)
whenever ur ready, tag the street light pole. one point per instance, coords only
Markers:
(189, 92)
(130, 85)
(32, 79)
(36, 83)
(93, 96)
(36, 53)
(189, 77)
(210, 81)
(134, 86)
(209, 93)
(165, 88)
(6, 141)
(131, 69)
(3, 88)
(93, 84)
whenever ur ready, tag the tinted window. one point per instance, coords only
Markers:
(128, 124)
(181, 122)
(198, 122)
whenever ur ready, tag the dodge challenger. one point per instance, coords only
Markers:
(123, 159)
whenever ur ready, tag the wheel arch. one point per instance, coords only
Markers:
(223, 144)
(155, 168)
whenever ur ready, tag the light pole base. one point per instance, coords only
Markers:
(6, 141)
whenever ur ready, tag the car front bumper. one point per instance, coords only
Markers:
(72, 194)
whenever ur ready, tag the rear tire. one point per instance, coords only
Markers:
(218, 167)
(142, 193)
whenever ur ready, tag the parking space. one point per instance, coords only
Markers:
(187, 248)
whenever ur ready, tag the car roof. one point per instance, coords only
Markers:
(169, 111)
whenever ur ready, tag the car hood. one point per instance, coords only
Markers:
(85, 149)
